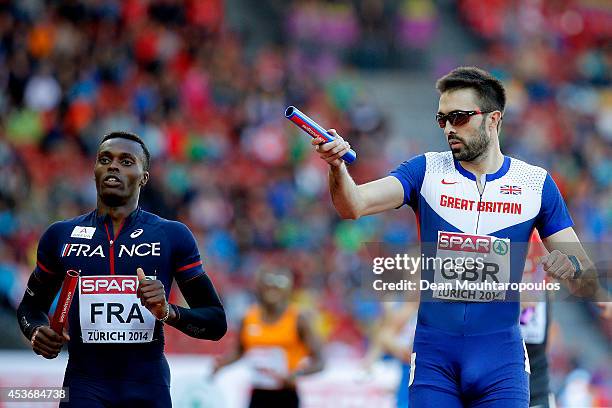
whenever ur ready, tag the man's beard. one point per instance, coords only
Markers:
(475, 148)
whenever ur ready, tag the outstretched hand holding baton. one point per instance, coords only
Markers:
(332, 152)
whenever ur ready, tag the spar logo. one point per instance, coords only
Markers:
(110, 300)
(111, 285)
(464, 242)
(500, 247)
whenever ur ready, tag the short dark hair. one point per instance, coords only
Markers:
(490, 91)
(133, 137)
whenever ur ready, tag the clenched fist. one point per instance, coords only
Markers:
(153, 296)
(46, 342)
(558, 265)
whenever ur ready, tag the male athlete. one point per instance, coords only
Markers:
(128, 259)
(470, 201)
(278, 341)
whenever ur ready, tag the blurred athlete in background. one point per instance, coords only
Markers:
(393, 335)
(535, 321)
(277, 340)
(128, 259)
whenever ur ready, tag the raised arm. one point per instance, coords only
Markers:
(351, 200)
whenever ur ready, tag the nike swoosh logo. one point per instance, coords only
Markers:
(449, 182)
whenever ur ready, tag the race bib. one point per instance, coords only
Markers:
(471, 268)
(110, 312)
(269, 367)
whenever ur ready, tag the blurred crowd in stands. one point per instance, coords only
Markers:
(224, 159)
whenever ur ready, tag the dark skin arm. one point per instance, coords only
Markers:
(234, 356)
(307, 336)
(314, 346)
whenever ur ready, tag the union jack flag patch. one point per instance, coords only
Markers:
(514, 190)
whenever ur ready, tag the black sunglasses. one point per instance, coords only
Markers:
(457, 117)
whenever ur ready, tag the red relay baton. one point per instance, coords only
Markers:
(65, 299)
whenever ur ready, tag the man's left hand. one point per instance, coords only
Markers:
(152, 295)
(558, 265)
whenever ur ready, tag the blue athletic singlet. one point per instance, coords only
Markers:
(116, 349)
(468, 347)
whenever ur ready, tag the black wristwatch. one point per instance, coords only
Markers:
(576, 264)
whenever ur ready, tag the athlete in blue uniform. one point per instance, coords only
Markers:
(128, 259)
(471, 201)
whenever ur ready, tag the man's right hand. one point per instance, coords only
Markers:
(47, 342)
(331, 151)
